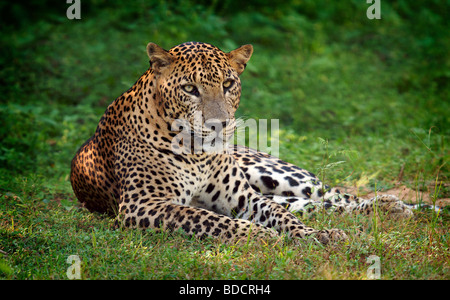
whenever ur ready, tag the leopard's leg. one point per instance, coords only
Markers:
(240, 200)
(229, 208)
(262, 210)
(303, 191)
(162, 214)
(305, 206)
(256, 221)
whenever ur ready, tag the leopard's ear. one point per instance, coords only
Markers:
(239, 57)
(159, 58)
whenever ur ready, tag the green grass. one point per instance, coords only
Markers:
(39, 232)
(370, 93)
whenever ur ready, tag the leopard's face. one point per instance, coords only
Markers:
(200, 90)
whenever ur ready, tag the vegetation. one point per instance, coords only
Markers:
(372, 94)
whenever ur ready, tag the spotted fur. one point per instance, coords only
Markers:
(129, 168)
(299, 190)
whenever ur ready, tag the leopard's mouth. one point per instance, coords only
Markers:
(216, 129)
(209, 136)
(214, 135)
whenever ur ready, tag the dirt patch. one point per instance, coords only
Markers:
(403, 192)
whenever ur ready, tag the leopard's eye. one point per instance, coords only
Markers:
(227, 84)
(190, 89)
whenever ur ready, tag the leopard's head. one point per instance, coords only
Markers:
(198, 85)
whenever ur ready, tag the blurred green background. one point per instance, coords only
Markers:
(376, 90)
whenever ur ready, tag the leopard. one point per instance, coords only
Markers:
(144, 167)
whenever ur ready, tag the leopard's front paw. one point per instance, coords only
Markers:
(331, 235)
(389, 204)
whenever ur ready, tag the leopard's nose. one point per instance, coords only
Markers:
(215, 109)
